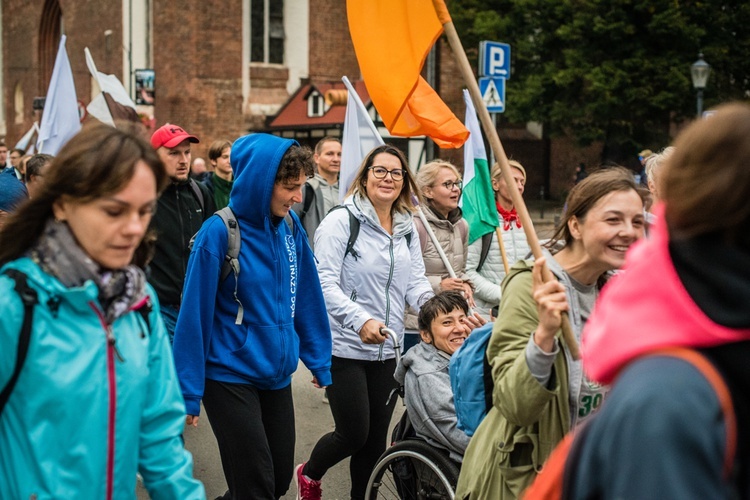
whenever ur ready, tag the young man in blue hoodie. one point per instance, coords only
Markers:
(241, 365)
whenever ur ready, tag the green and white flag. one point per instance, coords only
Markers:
(478, 199)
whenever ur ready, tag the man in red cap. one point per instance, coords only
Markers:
(180, 212)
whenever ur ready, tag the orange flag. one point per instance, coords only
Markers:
(392, 39)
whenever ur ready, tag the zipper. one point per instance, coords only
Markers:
(387, 295)
(112, 403)
(279, 288)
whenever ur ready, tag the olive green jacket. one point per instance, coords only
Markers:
(527, 419)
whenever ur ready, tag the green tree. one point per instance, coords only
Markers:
(616, 71)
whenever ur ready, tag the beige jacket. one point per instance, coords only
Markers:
(452, 234)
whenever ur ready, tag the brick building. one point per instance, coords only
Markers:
(222, 67)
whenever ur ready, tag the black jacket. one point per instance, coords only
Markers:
(179, 215)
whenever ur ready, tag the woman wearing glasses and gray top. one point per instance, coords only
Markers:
(440, 185)
(365, 290)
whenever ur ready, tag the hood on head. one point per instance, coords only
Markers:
(255, 160)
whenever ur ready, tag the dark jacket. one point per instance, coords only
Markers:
(179, 215)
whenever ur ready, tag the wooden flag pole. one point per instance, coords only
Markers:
(502, 249)
(502, 159)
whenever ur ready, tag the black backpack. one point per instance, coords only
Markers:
(354, 232)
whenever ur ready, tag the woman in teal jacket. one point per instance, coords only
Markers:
(96, 399)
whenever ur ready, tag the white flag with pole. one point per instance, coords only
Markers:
(360, 137)
(60, 118)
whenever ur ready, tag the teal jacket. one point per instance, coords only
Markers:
(86, 415)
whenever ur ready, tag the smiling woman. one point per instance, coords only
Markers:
(540, 391)
(366, 288)
(72, 247)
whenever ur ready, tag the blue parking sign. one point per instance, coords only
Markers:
(494, 59)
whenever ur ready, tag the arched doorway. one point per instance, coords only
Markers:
(50, 29)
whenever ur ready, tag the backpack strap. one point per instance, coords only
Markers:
(198, 194)
(353, 231)
(30, 299)
(145, 311)
(231, 262)
(712, 375)
(486, 242)
(308, 197)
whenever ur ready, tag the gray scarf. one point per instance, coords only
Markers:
(58, 254)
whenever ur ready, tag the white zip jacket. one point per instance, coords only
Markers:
(487, 281)
(386, 274)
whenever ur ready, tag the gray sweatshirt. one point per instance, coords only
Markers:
(429, 398)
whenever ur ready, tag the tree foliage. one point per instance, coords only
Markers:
(616, 71)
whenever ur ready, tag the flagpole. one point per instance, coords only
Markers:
(502, 249)
(502, 159)
(435, 242)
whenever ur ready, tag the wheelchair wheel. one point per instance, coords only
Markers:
(413, 470)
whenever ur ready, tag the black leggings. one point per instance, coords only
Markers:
(255, 433)
(357, 397)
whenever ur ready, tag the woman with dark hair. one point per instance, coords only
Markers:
(662, 432)
(95, 399)
(539, 389)
(365, 290)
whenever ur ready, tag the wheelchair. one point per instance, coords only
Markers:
(411, 468)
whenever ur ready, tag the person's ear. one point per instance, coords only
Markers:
(574, 226)
(425, 336)
(60, 210)
(427, 192)
(495, 184)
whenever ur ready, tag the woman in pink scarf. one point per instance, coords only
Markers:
(662, 432)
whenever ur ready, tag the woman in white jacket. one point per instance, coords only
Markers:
(365, 290)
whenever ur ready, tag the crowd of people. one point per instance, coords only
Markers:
(143, 285)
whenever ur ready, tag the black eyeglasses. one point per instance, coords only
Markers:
(397, 174)
(450, 185)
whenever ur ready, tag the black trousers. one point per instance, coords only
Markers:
(357, 397)
(256, 437)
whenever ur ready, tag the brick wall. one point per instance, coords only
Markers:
(331, 50)
(197, 49)
(21, 21)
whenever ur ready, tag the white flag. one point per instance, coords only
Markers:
(26, 143)
(119, 106)
(60, 118)
(360, 137)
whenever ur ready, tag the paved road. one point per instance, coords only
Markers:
(313, 420)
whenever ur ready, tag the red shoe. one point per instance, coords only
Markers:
(307, 489)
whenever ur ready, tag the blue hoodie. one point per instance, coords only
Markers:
(285, 316)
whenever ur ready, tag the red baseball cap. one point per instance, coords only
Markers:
(169, 136)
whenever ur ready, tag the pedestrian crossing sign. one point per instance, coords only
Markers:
(493, 93)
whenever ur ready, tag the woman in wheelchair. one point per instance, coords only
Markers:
(444, 324)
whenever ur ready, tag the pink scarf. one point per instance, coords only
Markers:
(644, 308)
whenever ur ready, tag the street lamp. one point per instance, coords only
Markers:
(699, 71)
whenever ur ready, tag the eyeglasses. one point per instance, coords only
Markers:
(450, 185)
(397, 174)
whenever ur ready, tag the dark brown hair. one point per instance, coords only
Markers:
(409, 187)
(100, 160)
(586, 193)
(705, 183)
(296, 159)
